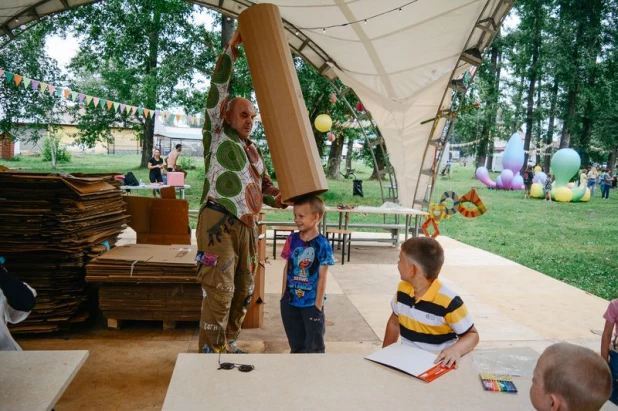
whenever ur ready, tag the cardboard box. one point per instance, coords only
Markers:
(175, 179)
(159, 220)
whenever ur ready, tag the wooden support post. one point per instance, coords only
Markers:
(282, 108)
(255, 313)
(114, 323)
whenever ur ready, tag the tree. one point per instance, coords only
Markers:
(137, 52)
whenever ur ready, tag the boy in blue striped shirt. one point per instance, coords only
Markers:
(426, 313)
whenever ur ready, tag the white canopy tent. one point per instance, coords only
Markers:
(399, 57)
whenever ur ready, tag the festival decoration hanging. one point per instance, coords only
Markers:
(323, 123)
(441, 210)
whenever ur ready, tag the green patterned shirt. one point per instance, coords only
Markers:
(236, 176)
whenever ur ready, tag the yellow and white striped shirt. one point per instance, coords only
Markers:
(435, 321)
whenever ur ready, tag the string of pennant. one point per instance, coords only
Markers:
(86, 100)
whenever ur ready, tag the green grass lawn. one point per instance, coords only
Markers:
(572, 242)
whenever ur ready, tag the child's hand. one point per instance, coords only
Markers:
(448, 357)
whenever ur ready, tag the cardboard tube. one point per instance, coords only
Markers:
(282, 107)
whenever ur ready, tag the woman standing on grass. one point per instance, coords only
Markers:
(606, 183)
(155, 165)
(592, 179)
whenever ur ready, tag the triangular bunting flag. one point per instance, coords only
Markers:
(43, 87)
(140, 111)
(128, 109)
(146, 111)
(109, 104)
(74, 95)
(17, 79)
(103, 103)
(88, 99)
(27, 81)
(177, 117)
(82, 96)
(59, 92)
(51, 89)
(35, 85)
(1, 72)
(122, 107)
(151, 113)
(95, 101)
(116, 106)
(67, 93)
(8, 76)
(133, 109)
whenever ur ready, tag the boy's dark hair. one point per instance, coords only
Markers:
(578, 374)
(426, 253)
(178, 146)
(315, 203)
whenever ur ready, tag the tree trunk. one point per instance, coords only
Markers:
(348, 156)
(532, 78)
(151, 98)
(550, 129)
(334, 158)
(567, 128)
(486, 145)
(611, 161)
(584, 144)
(539, 127)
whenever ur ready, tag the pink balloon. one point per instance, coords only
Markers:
(517, 183)
(506, 178)
(482, 174)
(499, 182)
(539, 177)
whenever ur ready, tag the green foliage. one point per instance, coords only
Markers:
(186, 162)
(62, 155)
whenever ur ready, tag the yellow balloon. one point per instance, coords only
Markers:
(563, 194)
(323, 123)
(537, 169)
(586, 196)
(536, 191)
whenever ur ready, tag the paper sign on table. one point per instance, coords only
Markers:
(411, 360)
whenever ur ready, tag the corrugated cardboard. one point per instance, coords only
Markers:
(158, 220)
(282, 108)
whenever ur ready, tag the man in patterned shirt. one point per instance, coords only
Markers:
(235, 186)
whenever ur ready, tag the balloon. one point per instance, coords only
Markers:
(539, 177)
(564, 164)
(360, 107)
(506, 178)
(513, 158)
(482, 174)
(537, 169)
(536, 191)
(323, 123)
(586, 196)
(517, 183)
(332, 98)
(499, 182)
(331, 137)
(578, 193)
(562, 194)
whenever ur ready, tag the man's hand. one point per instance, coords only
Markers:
(235, 41)
(280, 203)
(449, 357)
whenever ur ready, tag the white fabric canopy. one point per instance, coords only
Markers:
(400, 63)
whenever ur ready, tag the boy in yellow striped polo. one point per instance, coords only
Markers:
(426, 313)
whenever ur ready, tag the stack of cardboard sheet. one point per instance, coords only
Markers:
(147, 282)
(51, 226)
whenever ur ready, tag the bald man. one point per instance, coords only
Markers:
(235, 186)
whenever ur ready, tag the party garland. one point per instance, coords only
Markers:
(86, 100)
(440, 211)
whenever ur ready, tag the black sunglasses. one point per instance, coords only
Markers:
(231, 366)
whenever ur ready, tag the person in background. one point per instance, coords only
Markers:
(548, 187)
(17, 299)
(155, 165)
(592, 179)
(172, 159)
(528, 177)
(606, 183)
(583, 178)
(609, 345)
(571, 378)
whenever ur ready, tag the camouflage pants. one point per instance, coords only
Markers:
(225, 271)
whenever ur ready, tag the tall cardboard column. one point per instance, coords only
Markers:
(282, 107)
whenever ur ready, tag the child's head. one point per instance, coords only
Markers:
(570, 377)
(424, 253)
(308, 210)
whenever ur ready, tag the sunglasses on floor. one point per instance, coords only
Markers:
(231, 366)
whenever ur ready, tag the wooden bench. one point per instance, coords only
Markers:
(277, 228)
(341, 237)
